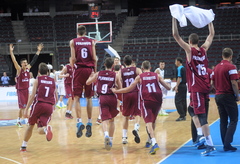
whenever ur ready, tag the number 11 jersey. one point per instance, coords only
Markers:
(197, 75)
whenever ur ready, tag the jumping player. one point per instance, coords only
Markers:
(22, 78)
(42, 99)
(151, 95)
(198, 79)
(131, 101)
(106, 80)
(83, 54)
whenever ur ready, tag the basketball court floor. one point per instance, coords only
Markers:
(65, 148)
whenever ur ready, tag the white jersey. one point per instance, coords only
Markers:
(58, 79)
(161, 72)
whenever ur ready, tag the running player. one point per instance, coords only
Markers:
(42, 99)
(67, 74)
(198, 79)
(22, 78)
(107, 99)
(60, 87)
(83, 54)
(131, 102)
(151, 95)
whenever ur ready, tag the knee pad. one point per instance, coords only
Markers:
(202, 119)
(191, 111)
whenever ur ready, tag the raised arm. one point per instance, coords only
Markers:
(210, 37)
(128, 89)
(16, 65)
(39, 49)
(94, 56)
(179, 40)
(92, 78)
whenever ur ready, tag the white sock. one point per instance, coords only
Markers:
(99, 117)
(70, 112)
(18, 119)
(153, 141)
(111, 139)
(136, 126)
(24, 144)
(209, 140)
(67, 111)
(124, 132)
(79, 120)
(106, 133)
(90, 120)
(199, 131)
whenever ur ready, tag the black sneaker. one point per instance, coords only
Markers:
(229, 148)
(89, 129)
(181, 119)
(80, 127)
(137, 138)
(209, 150)
(199, 141)
(201, 147)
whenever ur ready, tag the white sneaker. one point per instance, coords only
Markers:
(124, 140)
(162, 112)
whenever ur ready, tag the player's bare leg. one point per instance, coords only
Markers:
(27, 136)
(20, 115)
(136, 129)
(89, 113)
(125, 129)
(68, 114)
(150, 129)
(80, 125)
(107, 141)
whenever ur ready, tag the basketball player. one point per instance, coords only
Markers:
(161, 72)
(107, 99)
(151, 95)
(60, 87)
(131, 106)
(225, 78)
(197, 64)
(83, 54)
(67, 74)
(22, 78)
(42, 99)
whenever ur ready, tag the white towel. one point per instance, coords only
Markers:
(197, 16)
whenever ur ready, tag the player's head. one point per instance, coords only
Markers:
(116, 61)
(61, 67)
(162, 64)
(117, 68)
(127, 60)
(108, 63)
(193, 39)
(134, 64)
(178, 61)
(227, 53)
(4, 74)
(43, 69)
(146, 65)
(24, 62)
(82, 30)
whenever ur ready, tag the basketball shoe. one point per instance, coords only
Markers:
(107, 143)
(89, 129)
(124, 140)
(19, 124)
(80, 127)
(23, 149)
(147, 145)
(49, 133)
(199, 141)
(154, 149)
(209, 150)
(137, 138)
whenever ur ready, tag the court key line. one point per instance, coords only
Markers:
(10, 160)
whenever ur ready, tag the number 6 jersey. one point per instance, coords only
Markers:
(150, 87)
(197, 75)
(45, 90)
(105, 81)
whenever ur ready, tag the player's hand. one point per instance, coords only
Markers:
(113, 90)
(11, 47)
(25, 114)
(40, 47)
(176, 89)
(67, 75)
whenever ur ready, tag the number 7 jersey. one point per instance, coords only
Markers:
(45, 90)
(197, 75)
(150, 87)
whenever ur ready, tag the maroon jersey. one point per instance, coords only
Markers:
(128, 76)
(83, 52)
(23, 79)
(68, 79)
(105, 81)
(150, 87)
(197, 74)
(224, 72)
(45, 90)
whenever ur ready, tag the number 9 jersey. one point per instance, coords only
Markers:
(83, 52)
(45, 90)
(105, 81)
(197, 75)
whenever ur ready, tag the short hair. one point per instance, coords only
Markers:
(227, 52)
(22, 60)
(61, 67)
(146, 65)
(194, 38)
(82, 30)
(127, 60)
(43, 68)
(162, 61)
(109, 62)
(179, 59)
(117, 67)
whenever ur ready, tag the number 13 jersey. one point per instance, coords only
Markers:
(83, 52)
(150, 87)
(45, 90)
(197, 75)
